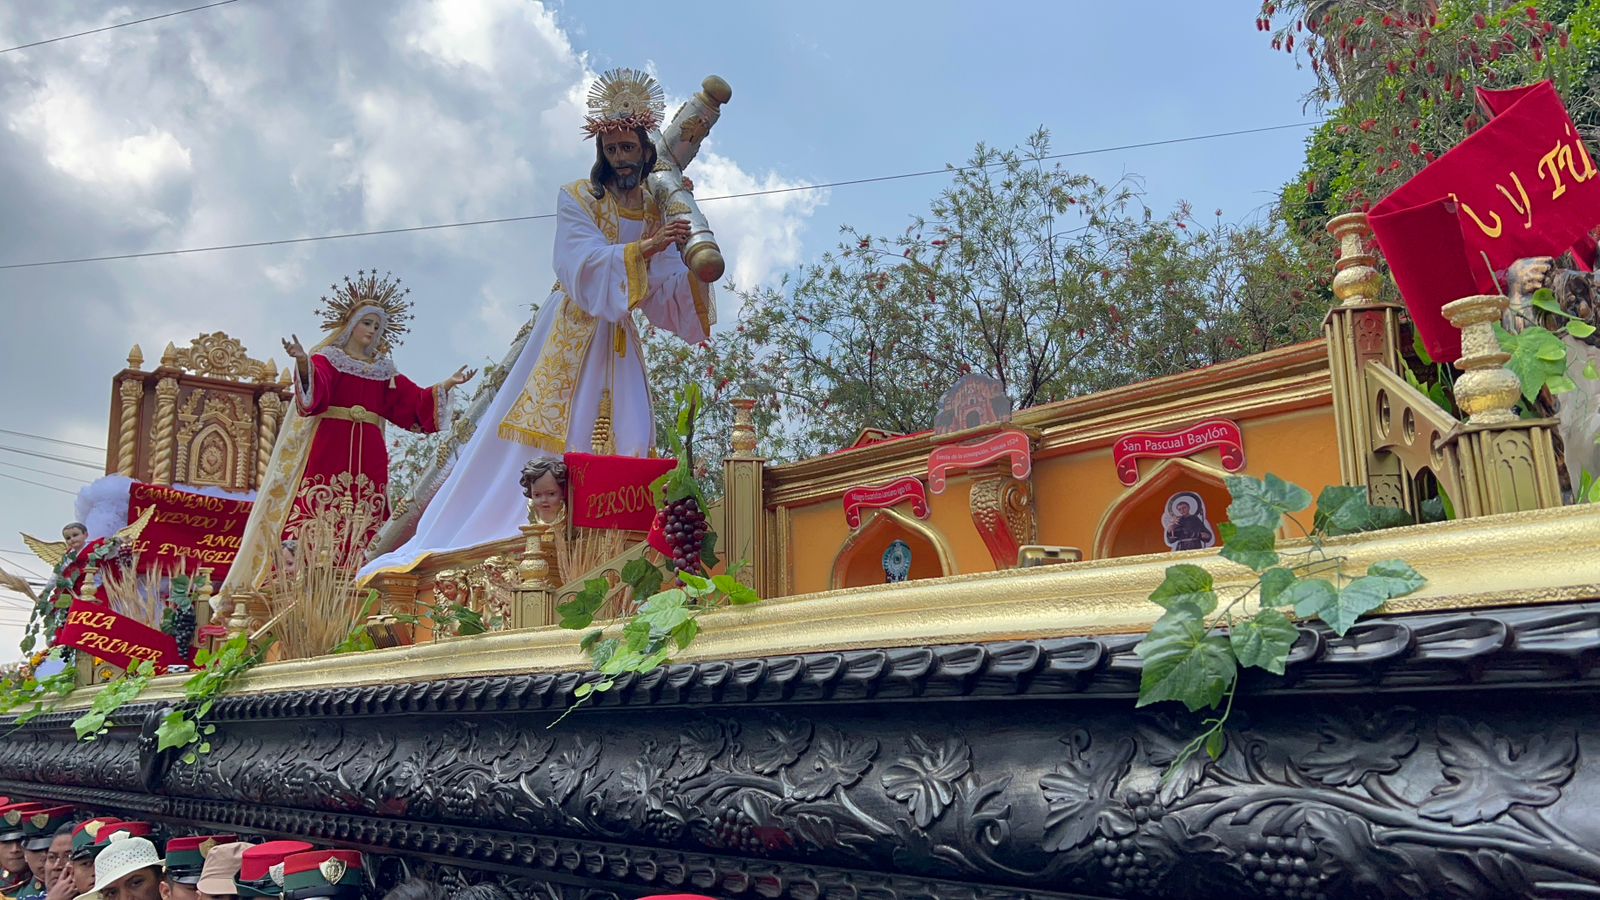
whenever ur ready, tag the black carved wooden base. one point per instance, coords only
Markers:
(1431, 756)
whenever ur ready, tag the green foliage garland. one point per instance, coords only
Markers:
(667, 621)
(1193, 653)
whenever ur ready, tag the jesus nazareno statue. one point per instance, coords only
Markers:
(579, 384)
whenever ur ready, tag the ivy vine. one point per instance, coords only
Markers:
(184, 728)
(39, 695)
(1194, 652)
(668, 619)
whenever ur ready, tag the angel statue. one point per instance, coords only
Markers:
(331, 462)
(70, 560)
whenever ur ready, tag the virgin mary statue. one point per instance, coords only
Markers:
(330, 461)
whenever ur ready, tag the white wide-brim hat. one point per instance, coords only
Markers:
(122, 857)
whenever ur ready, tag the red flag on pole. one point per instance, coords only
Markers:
(1523, 185)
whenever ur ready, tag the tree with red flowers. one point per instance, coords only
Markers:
(1398, 79)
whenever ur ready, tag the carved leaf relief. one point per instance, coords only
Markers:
(925, 781)
(1487, 773)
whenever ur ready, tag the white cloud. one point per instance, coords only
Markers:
(760, 236)
(247, 123)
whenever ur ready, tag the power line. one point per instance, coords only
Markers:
(37, 484)
(51, 440)
(530, 218)
(60, 459)
(27, 556)
(12, 465)
(68, 37)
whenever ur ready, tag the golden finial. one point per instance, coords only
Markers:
(743, 439)
(1487, 390)
(169, 356)
(135, 358)
(1355, 280)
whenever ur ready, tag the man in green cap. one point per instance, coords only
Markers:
(86, 846)
(186, 858)
(39, 829)
(12, 857)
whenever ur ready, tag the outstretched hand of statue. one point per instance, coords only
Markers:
(659, 239)
(295, 351)
(462, 376)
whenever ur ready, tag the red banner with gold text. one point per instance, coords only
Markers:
(116, 639)
(188, 531)
(1521, 186)
(612, 491)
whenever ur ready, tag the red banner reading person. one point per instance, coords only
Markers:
(612, 491)
(189, 531)
(1521, 186)
(1223, 434)
(117, 639)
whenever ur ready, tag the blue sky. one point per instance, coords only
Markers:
(267, 119)
(834, 90)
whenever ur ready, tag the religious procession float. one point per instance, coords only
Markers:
(1285, 626)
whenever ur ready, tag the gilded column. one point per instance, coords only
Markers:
(270, 408)
(161, 445)
(1507, 463)
(131, 391)
(743, 537)
(1361, 330)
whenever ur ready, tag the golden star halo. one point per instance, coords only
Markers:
(367, 289)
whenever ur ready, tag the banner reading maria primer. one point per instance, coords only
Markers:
(117, 639)
(189, 531)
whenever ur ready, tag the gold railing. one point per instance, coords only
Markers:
(1399, 443)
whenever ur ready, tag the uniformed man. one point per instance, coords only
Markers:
(186, 857)
(261, 868)
(85, 849)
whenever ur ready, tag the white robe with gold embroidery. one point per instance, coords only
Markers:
(551, 396)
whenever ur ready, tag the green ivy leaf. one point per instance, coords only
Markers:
(603, 651)
(1590, 372)
(1183, 663)
(1383, 581)
(641, 575)
(708, 549)
(1264, 640)
(1216, 742)
(1273, 583)
(1579, 328)
(694, 585)
(579, 611)
(739, 594)
(583, 690)
(176, 730)
(665, 611)
(685, 634)
(590, 639)
(1419, 348)
(1536, 356)
(1310, 596)
(1249, 545)
(1189, 586)
(1342, 509)
(1560, 384)
(635, 637)
(1545, 299)
(1264, 503)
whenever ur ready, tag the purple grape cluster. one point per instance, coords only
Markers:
(686, 534)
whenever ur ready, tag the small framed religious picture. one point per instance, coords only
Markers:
(1185, 524)
(897, 562)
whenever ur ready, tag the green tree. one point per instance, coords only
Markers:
(1398, 80)
(1055, 284)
